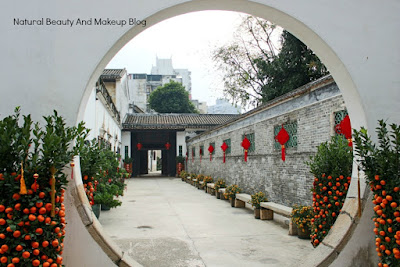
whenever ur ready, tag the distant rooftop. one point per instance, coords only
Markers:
(112, 73)
(175, 121)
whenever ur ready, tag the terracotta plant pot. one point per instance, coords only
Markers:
(257, 213)
(304, 233)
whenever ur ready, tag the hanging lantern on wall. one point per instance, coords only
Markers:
(246, 145)
(282, 137)
(344, 127)
(139, 146)
(224, 147)
(167, 145)
(211, 150)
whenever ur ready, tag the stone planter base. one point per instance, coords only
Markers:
(304, 235)
(218, 195)
(232, 202)
(266, 214)
(96, 210)
(257, 213)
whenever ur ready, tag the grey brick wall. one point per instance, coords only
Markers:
(286, 182)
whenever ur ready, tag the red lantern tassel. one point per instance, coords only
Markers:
(350, 142)
(283, 152)
(224, 157)
(210, 157)
(200, 158)
(245, 155)
(72, 170)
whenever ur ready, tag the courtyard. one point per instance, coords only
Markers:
(166, 222)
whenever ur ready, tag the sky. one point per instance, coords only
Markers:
(189, 40)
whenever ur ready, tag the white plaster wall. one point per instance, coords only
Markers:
(180, 141)
(126, 141)
(105, 120)
(357, 41)
(90, 115)
(122, 97)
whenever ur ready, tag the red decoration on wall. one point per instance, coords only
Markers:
(246, 145)
(201, 152)
(344, 127)
(224, 147)
(282, 137)
(167, 145)
(187, 156)
(139, 146)
(210, 149)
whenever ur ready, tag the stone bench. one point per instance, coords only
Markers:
(201, 183)
(241, 200)
(210, 188)
(193, 182)
(267, 213)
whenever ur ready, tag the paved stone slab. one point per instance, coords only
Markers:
(278, 208)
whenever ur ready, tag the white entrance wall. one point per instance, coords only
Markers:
(55, 67)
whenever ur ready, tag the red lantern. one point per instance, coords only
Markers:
(224, 147)
(201, 153)
(210, 149)
(246, 145)
(344, 127)
(139, 146)
(282, 137)
(167, 145)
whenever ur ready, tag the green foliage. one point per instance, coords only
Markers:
(257, 198)
(180, 159)
(25, 144)
(220, 183)
(128, 160)
(331, 166)
(381, 164)
(255, 70)
(90, 158)
(231, 191)
(105, 195)
(171, 98)
(333, 158)
(302, 216)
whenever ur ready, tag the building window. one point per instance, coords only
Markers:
(291, 128)
(180, 151)
(193, 151)
(126, 152)
(213, 145)
(252, 140)
(339, 116)
(202, 150)
(228, 143)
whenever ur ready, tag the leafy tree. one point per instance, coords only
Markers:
(171, 98)
(255, 70)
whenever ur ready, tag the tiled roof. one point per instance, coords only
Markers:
(112, 73)
(176, 121)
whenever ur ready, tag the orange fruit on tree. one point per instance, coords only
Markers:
(19, 248)
(39, 231)
(35, 262)
(45, 243)
(32, 217)
(36, 252)
(26, 211)
(42, 210)
(42, 195)
(3, 259)
(9, 210)
(39, 204)
(26, 254)
(33, 210)
(2, 221)
(17, 233)
(2, 236)
(46, 264)
(40, 218)
(48, 206)
(27, 237)
(16, 196)
(15, 260)
(55, 243)
(17, 206)
(54, 265)
(393, 204)
(2, 208)
(35, 244)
